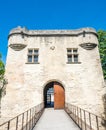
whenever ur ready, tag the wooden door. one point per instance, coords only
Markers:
(59, 96)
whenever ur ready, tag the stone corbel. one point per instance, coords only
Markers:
(17, 47)
(88, 46)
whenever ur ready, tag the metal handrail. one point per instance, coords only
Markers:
(25, 120)
(84, 119)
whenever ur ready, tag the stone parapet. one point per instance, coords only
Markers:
(24, 31)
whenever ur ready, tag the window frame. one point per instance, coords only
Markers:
(33, 54)
(70, 52)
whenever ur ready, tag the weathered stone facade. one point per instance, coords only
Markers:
(83, 81)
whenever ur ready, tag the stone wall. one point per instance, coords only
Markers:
(83, 81)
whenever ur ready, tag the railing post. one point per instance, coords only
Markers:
(73, 112)
(75, 115)
(78, 115)
(30, 120)
(85, 119)
(27, 121)
(17, 123)
(8, 127)
(90, 121)
(81, 117)
(22, 120)
(33, 117)
(97, 123)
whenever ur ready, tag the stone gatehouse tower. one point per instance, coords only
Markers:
(42, 63)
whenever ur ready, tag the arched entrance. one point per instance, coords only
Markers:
(54, 95)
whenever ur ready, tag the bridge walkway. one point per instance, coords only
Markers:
(55, 120)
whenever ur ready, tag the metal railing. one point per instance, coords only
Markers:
(84, 119)
(24, 121)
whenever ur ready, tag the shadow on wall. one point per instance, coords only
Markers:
(104, 103)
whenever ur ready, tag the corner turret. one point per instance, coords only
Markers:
(16, 39)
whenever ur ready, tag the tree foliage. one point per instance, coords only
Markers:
(102, 49)
(2, 68)
(2, 79)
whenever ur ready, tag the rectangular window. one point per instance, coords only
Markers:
(36, 52)
(33, 55)
(30, 52)
(69, 51)
(69, 58)
(75, 58)
(29, 58)
(74, 51)
(35, 58)
(72, 55)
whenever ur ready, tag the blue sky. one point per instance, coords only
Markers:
(49, 14)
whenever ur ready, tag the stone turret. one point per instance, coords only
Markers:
(16, 38)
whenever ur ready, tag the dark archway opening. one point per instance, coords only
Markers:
(49, 95)
(53, 93)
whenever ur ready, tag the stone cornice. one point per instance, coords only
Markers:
(28, 33)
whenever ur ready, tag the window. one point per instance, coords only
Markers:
(69, 58)
(72, 55)
(75, 58)
(33, 55)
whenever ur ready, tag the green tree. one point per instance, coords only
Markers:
(3, 81)
(102, 49)
(2, 68)
(2, 71)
